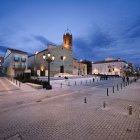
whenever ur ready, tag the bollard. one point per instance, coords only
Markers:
(81, 82)
(85, 100)
(107, 91)
(86, 81)
(16, 82)
(126, 83)
(117, 87)
(130, 109)
(90, 81)
(113, 89)
(104, 104)
(61, 85)
(19, 84)
(75, 83)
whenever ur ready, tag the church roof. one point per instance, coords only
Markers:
(38, 52)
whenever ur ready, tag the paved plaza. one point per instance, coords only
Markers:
(72, 110)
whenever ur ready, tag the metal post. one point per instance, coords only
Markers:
(19, 83)
(81, 82)
(61, 85)
(126, 83)
(75, 83)
(130, 109)
(104, 104)
(16, 82)
(113, 89)
(85, 100)
(107, 92)
(86, 81)
(49, 73)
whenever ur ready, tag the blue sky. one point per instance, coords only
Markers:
(100, 28)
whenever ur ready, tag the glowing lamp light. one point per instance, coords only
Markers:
(36, 53)
(44, 56)
(64, 57)
(49, 55)
(53, 57)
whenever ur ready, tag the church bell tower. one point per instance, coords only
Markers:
(67, 39)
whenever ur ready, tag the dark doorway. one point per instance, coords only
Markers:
(61, 69)
(42, 73)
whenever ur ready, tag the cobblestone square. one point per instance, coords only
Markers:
(62, 114)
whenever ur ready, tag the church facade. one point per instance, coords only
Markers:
(62, 64)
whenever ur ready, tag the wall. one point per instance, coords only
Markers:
(58, 51)
(116, 68)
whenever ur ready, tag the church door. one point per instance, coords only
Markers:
(61, 69)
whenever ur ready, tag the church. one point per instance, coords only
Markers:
(63, 62)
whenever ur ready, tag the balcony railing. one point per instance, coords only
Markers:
(19, 66)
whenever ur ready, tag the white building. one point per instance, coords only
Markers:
(110, 66)
(15, 62)
(79, 68)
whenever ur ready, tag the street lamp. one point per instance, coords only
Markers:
(49, 58)
(35, 73)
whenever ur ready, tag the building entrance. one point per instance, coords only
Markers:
(61, 69)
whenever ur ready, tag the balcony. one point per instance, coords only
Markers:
(20, 67)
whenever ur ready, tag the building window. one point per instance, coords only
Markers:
(16, 58)
(61, 57)
(23, 59)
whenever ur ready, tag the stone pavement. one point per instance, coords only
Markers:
(67, 117)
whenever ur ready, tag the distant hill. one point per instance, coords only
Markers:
(2, 50)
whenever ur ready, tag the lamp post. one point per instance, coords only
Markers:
(49, 58)
(35, 72)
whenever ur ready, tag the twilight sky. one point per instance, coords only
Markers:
(100, 28)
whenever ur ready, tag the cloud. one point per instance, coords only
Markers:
(99, 44)
(42, 40)
(133, 29)
(95, 42)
